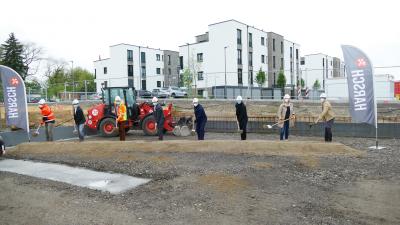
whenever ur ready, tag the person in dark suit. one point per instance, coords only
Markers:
(159, 116)
(241, 115)
(201, 119)
(80, 120)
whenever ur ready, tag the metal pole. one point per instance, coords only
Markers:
(73, 79)
(65, 91)
(85, 89)
(225, 94)
(188, 61)
(29, 93)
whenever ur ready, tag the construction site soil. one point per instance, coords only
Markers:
(218, 181)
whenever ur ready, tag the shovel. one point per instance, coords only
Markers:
(36, 132)
(271, 126)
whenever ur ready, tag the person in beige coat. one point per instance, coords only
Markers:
(286, 117)
(327, 116)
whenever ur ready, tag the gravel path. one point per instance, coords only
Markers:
(217, 188)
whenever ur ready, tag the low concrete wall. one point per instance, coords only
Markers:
(386, 130)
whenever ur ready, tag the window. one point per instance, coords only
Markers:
(181, 62)
(251, 76)
(158, 58)
(323, 62)
(291, 52)
(250, 59)
(169, 71)
(95, 73)
(262, 41)
(291, 67)
(282, 64)
(105, 70)
(143, 72)
(250, 40)
(282, 47)
(240, 78)
(239, 57)
(130, 70)
(169, 59)
(130, 55)
(331, 63)
(200, 75)
(273, 62)
(158, 71)
(273, 44)
(162, 57)
(297, 53)
(274, 78)
(143, 84)
(302, 61)
(143, 57)
(262, 58)
(199, 57)
(158, 83)
(239, 37)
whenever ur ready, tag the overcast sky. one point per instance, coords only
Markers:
(83, 30)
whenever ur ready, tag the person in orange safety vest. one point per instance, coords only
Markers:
(48, 119)
(122, 117)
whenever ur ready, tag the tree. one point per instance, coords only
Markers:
(281, 82)
(31, 55)
(80, 77)
(302, 83)
(187, 79)
(316, 85)
(11, 55)
(260, 78)
(33, 85)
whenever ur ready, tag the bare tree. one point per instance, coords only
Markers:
(32, 56)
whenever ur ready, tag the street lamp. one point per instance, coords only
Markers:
(225, 92)
(73, 79)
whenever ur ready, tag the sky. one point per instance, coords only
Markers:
(83, 30)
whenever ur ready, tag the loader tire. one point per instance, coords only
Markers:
(108, 128)
(149, 126)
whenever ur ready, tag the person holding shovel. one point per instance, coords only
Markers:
(48, 119)
(159, 116)
(241, 115)
(122, 117)
(79, 119)
(286, 117)
(327, 116)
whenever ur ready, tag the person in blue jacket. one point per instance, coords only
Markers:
(201, 119)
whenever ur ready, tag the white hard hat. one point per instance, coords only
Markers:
(323, 95)
(195, 100)
(117, 99)
(42, 101)
(75, 102)
(239, 98)
(155, 99)
(286, 96)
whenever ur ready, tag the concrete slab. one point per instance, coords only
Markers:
(110, 182)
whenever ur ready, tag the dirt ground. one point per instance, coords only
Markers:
(219, 181)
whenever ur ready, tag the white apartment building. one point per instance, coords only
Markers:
(316, 67)
(291, 63)
(238, 47)
(337, 88)
(135, 66)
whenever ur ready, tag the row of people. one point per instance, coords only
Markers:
(286, 118)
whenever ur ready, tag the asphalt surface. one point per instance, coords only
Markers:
(12, 138)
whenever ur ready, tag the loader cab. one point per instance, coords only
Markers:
(127, 94)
